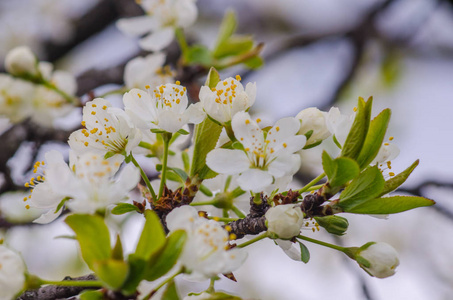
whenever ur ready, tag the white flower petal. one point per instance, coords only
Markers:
(254, 180)
(226, 161)
(137, 26)
(158, 40)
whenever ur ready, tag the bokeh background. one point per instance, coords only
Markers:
(317, 53)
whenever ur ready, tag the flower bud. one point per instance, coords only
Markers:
(21, 61)
(284, 220)
(12, 269)
(333, 224)
(377, 259)
(314, 120)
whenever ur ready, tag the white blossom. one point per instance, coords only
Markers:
(205, 254)
(339, 124)
(266, 155)
(227, 98)
(164, 108)
(147, 72)
(284, 220)
(21, 61)
(312, 119)
(12, 273)
(108, 130)
(382, 257)
(15, 95)
(159, 24)
(88, 184)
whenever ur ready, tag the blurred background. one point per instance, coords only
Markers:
(317, 53)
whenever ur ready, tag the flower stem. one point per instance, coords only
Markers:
(85, 283)
(166, 136)
(161, 285)
(311, 183)
(67, 97)
(238, 212)
(255, 239)
(145, 178)
(182, 44)
(339, 248)
(211, 289)
(202, 203)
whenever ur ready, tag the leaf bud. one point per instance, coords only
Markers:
(333, 224)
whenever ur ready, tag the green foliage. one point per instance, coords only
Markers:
(165, 258)
(205, 138)
(366, 186)
(111, 272)
(93, 236)
(122, 208)
(152, 238)
(137, 267)
(390, 205)
(374, 138)
(171, 292)
(359, 129)
(213, 78)
(304, 252)
(395, 182)
(340, 170)
(91, 295)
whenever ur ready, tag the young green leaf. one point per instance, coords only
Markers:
(163, 260)
(390, 205)
(152, 238)
(227, 28)
(117, 251)
(93, 236)
(328, 165)
(366, 186)
(171, 293)
(254, 62)
(374, 138)
(205, 138)
(213, 78)
(359, 129)
(393, 183)
(199, 54)
(340, 170)
(304, 252)
(183, 175)
(235, 45)
(111, 272)
(122, 208)
(91, 295)
(137, 267)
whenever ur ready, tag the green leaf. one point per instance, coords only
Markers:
(367, 185)
(171, 292)
(205, 138)
(374, 138)
(117, 251)
(213, 78)
(183, 175)
(91, 295)
(136, 271)
(391, 205)
(359, 129)
(152, 238)
(340, 170)
(234, 46)
(157, 130)
(182, 132)
(254, 62)
(304, 253)
(163, 260)
(93, 236)
(111, 272)
(122, 208)
(199, 54)
(227, 28)
(394, 182)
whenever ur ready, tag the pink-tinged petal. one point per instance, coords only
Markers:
(247, 132)
(284, 165)
(158, 40)
(254, 180)
(226, 161)
(137, 26)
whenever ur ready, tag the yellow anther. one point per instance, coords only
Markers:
(391, 174)
(258, 120)
(27, 185)
(27, 206)
(277, 129)
(25, 199)
(232, 236)
(93, 131)
(177, 82)
(247, 149)
(83, 123)
(147, 87)
(354, 109)
(228, 228)
(216, 219)
(386, 144)
(93, 112)
(178, 101)
(94, 105)
(86, 144)
(138, 94)
(391, 138)
(247, 121)
(104, 107)
(285, 145)
(238, 78)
